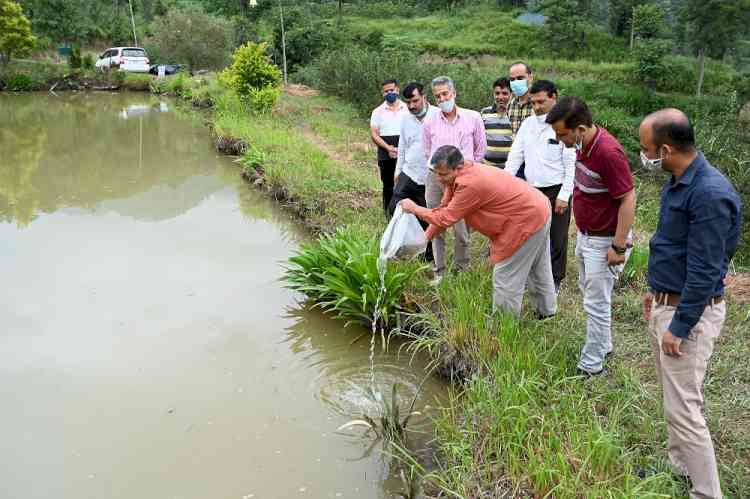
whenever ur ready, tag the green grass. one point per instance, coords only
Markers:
(523, 422)
(137, 82)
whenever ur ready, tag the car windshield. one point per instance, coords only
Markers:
(133, 53)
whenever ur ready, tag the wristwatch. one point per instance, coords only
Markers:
(619, 249)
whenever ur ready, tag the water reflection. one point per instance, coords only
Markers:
(77, 151)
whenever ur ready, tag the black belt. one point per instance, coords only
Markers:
(599, 233)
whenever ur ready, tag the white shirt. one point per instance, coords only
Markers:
(387, 119)
(412, 159)
(548, 161)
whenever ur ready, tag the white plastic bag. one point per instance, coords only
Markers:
(403, 238)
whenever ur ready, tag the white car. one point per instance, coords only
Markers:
(132, 59)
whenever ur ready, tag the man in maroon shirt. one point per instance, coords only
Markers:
(604, 209)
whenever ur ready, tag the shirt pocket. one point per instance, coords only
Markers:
(552, 153)
(675, 222)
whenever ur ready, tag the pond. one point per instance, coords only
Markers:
(148, 348)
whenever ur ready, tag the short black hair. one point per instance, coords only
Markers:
(677, 133)
(408, 91)
(544, 86)
(573, 111)
(449, 156)
(502, 82)
(389, 81)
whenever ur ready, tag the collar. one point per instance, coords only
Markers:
(588, 150)
(459, 112)
(690, 172)
(401, 105)
(515, 102)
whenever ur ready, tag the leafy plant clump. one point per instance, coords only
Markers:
(253, 76)
(340, 273)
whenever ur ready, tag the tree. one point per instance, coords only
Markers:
(647, 25)
(15, 31)
(60, 20)
(567, 25)
(193, 37)
(620, 14)
(714, 26)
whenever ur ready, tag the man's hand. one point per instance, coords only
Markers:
(560, 206)
(670, 345)
(393, 152)
(613, 259)
(408, 206)
(648, 301)
(395, 179)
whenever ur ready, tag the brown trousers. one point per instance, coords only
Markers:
(689, 445)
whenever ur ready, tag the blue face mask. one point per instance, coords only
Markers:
(391, 97)
(519, 87)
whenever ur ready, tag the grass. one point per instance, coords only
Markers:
(523, 423)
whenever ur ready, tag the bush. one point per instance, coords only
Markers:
(20, 82)
(75, 60)
(88, 61)
(649, 55)
(190, 36)
(253, 76)
(340, 273)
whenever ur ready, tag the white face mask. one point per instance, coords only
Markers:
(579, 143)
(448, 105)
(651, 164)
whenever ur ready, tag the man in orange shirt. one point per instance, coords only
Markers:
(512, 214)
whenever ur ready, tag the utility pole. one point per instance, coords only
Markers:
(132, 21)
(283, 42)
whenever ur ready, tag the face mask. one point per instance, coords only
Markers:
(421, 114)
(651, 164)
(447, 106)
(541, 119)
(391, 97)
(579, 143)
(519, 87)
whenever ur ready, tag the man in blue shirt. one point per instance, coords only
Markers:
(697, 235)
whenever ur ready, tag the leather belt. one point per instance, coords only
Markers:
(673, 300)
(599, 233)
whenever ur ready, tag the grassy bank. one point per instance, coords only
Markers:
(522, 422)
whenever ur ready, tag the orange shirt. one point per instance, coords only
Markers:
(504, 208)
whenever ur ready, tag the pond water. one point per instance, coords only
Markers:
(147, 346)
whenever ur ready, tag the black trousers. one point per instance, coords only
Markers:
(558, 234)
(387, 171)
(406, 188)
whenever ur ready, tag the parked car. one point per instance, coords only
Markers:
(169, 69)
(132, 59)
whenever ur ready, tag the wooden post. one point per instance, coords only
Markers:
(701, 70)
(132, 21)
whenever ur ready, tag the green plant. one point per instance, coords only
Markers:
(253, 76)
(75, 60)
(20, 82)
(88, 61)
(191, 36)
(16, 37)
(341, 274)
(388, 425)
(137, 82)
(636, 268)
(649, 56)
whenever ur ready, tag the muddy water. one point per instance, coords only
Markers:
(147, 347)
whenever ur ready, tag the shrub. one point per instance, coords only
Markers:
(253, 76)
(649, 56)
(191, 36)
(340, 273)
(75, 60)
(21, 82)
(88, 61)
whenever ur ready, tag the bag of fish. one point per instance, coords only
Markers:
(403, 238)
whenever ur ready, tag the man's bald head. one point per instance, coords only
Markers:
(671, 127)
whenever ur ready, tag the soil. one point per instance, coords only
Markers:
(738, 286)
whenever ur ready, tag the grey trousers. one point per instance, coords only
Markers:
(531, 262)
(433, 196)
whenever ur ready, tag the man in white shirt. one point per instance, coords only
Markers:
(411, 164)
(385, 126)
(550, 167)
